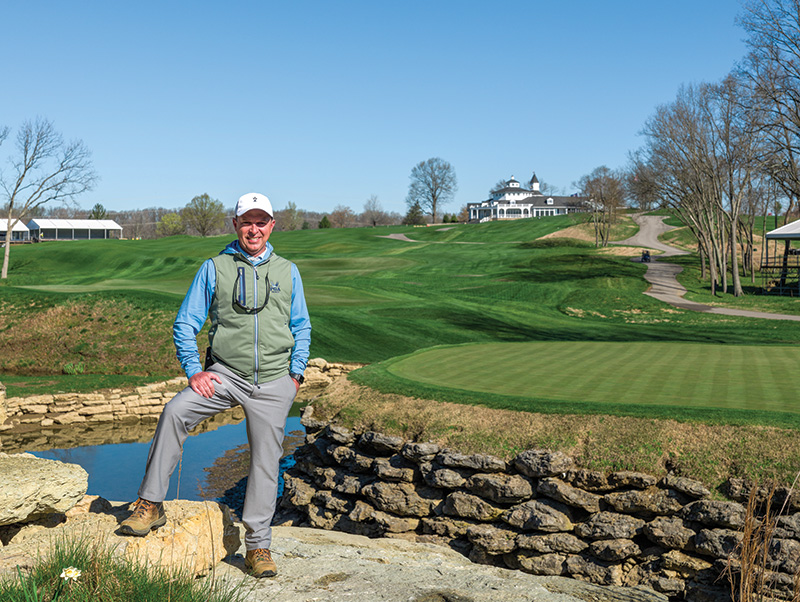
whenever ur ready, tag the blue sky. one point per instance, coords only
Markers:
(325, 103)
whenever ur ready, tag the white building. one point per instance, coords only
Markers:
(19, 233)
(514, 202)
(73, 229)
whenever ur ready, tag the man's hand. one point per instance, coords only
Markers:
(202, 383)
(296, 384)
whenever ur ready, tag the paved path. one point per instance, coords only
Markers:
(662, 276)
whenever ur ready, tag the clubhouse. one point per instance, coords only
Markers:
(514, 202)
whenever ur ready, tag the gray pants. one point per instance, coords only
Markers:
(266, 407)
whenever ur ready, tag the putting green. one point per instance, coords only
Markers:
(667, 374)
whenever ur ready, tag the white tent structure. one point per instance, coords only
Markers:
(73, 229)
(19, 232)
(780, 270)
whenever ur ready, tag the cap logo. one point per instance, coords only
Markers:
(255, 198)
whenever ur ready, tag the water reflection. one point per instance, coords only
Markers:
(116, 455)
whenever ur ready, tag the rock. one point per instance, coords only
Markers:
(626, 478)
(590, 480)
(197, 536)
(785, 554)
(491, 539)
(687, 566)
(614, 550)
(402, 499)
(609, 525)
(339, 434)
(33, 487)
(542, 463)
(552, 542)
(314, 379)
(595, 571)
(501, 488)
(465, 505)
(379, 444)
(443, 478)
(686, 486)
(317, 362)
(540, 515)
(420, 452)
(351, 459)
(445, 527)
(296, 492)
(482, 462)
(670, 532)
(788, 526)
(715, 513)
(537, 564)
(569, 495)
(719, 543)
(394, 469)
(650, 501)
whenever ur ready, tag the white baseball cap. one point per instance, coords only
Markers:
(253, 200)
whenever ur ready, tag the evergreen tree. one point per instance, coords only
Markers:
(415, 216)
(324, 222)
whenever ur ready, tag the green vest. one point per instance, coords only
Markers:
(256, 345)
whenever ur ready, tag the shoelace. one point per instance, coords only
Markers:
(143, 507)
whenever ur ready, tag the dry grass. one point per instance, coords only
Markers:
(750, 571)
(102, 335)
(709, 453)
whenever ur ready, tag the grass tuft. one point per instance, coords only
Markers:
(99, 575)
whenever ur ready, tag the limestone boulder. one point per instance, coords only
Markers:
(540, 515)
(501, 488)
(31, 487)
(569, 495)
(197, 536)
(542, 463)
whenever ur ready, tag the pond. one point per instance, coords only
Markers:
(212, 466)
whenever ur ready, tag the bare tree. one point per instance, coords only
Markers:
(606, 191)
(701, 156)
(289, 218)
(44, 169)
(204, 214)
(342, 216)
(433, 184)
(373, 214)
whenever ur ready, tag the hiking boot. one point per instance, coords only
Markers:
(146, 516)
(260, 564)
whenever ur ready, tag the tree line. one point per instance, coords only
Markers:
(721, 153)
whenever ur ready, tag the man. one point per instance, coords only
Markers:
(259, 341)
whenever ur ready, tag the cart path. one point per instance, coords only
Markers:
(662, 276)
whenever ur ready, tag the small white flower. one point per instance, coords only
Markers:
(70, 573)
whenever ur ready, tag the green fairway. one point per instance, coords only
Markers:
(109, 304)
(728, 377)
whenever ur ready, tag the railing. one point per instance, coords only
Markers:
(781, 275)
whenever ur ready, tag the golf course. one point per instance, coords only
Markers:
(486, 315)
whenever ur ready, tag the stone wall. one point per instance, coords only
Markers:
(538, 513)
(34, 422)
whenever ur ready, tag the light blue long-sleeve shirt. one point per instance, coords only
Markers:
(194, 312)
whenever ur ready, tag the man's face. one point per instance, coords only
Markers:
(253, 229)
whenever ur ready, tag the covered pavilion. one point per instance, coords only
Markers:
(780, 268)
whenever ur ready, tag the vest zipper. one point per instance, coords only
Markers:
(255, 318)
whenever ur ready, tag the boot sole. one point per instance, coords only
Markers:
(128, 530)
(265, 573)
